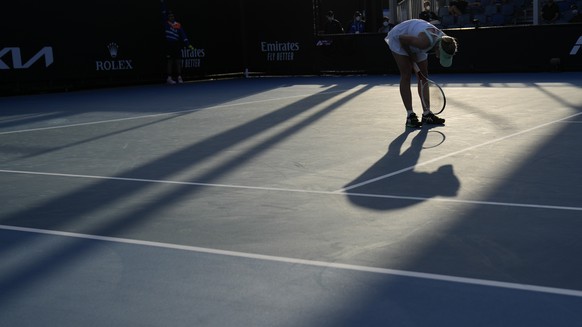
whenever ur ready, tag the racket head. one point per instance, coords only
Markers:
(432, 96)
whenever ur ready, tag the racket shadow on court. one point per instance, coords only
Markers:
(396, 179)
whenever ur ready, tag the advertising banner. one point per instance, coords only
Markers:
(279, 36)
(67, 44)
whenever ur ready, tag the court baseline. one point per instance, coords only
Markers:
(313, 263)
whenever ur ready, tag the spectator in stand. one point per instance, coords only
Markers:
(576, 15)
(357, 25)
(550, 12)
(386, 25)
(428, 15)
(332, 25)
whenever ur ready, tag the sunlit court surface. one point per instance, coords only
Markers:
(293, 201)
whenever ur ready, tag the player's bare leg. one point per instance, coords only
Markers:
(405, 68)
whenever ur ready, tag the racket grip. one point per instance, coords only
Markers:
(415, 68)
(418, 72)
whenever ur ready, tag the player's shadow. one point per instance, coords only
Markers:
(393, 182)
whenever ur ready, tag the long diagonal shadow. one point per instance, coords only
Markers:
(83, 202)
(507, 244)
(40, 152)
(409, 183)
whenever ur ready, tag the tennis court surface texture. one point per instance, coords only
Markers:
(293, 201)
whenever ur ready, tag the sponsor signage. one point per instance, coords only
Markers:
(192, 58)
(280, 51)
(576, 47)
(113, 63)
(11, 58)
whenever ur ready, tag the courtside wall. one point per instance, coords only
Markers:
(71, 44)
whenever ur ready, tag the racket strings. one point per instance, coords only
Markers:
(432, 97)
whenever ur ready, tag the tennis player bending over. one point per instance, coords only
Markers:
(411, 41)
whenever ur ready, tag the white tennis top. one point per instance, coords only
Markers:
(413, 27)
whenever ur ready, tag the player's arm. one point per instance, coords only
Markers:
(185, 39)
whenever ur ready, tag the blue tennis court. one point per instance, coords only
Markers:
(293, 201)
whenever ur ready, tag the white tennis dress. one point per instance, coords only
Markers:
(413, 27)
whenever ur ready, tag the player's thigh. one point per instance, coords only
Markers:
(404, 64)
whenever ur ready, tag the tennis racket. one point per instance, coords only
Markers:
(431, 94)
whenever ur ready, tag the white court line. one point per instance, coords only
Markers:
(313, 263)
(169, 113)
(403, 170)
(261, 188)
